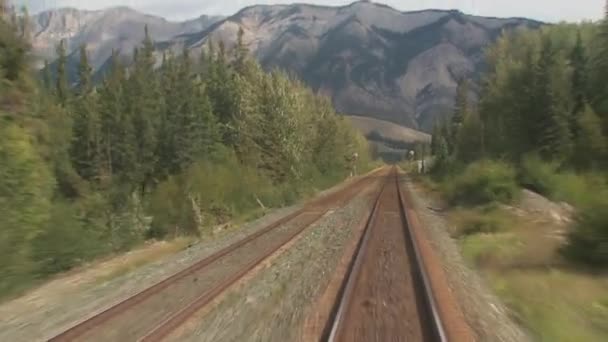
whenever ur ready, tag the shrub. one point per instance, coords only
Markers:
(546, 179)
(209, 192)
(483, 224)
(483, 182)
(588, 242)
(538, 176)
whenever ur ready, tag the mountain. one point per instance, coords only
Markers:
(118, 28)
(373, 60)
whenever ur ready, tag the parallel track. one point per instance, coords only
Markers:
(386, 294)
(301, 219)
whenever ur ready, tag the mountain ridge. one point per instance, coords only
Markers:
(371, 59)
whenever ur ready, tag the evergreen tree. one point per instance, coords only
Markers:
(434, 138)
(241, 52)
(469, 138)
(599, 63)
(13, 49)
(461, 110)
(554, 141)
(118, 144)
(591, 146)
(578, 61)
(46, 77)
(461, 107)
(85, 72)
(61, 84)
(144, 103)
(86, 146)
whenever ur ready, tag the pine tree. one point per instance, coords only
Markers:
(61, 83)
(434, 138)
(461, 107)
(13, 47)
(578, 61)
(469, 138)
(591, 147)
(117, 132)
(144, 103)
(46, 77)
(86, 147)
(85, 72)
(599, 63)
(241, 52)
(554, 141)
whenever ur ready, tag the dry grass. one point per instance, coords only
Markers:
(140, 257)
(556, 305)
(517, 252)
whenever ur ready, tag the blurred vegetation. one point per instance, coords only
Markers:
(151, 152)
(541, 123)
(483, 182)
(542, 117)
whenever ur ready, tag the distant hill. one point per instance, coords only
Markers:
(388, 130)
(372, 60)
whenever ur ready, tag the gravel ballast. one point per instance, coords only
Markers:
(273, 304)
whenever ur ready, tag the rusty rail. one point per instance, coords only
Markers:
(345, 295)
(160, 331)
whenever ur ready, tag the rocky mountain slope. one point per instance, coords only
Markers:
(371, 59)
(118, 28)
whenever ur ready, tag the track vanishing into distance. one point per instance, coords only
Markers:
(386, 295)
(155, 312)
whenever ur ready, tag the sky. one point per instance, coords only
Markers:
(545, 10)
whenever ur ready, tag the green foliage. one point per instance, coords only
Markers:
(538, 176)
(588, 242)
(578, 189)
(153, 152)
(543, 109)
(25, 192)
(485, 220)
(483, 182)
(591, 146)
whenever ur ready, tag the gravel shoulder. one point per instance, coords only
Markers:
(484, 312)
(273, 304)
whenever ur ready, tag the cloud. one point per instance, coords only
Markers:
(547, 10)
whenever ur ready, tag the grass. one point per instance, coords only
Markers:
(556, 305)
(143, 257)
(519, 256)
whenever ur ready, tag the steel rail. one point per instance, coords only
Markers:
(429, 297)
(344, 297)
(100, 318)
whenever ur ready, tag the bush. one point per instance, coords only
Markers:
(209, 192)
(483, 224)
(546, 179)
(483, 182)
(538, 176)
(588, 242)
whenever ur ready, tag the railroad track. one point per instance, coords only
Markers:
(154, 313)
(386, 295)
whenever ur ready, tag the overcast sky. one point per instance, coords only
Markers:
(546, 10)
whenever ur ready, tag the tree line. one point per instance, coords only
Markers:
(164, 146)
(543, 101)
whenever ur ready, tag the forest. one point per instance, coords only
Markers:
(166, 146)
(540, 122)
